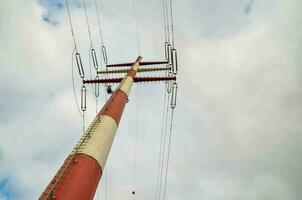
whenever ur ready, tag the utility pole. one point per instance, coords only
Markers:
(78, 177)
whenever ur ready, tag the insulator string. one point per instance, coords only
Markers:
(73, 84)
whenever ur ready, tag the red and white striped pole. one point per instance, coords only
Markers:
(78, 177)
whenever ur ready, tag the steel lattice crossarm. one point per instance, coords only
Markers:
(141, 64)
(136, 79)
(78, 177)
(146, 69)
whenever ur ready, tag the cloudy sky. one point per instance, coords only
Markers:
(237, 131)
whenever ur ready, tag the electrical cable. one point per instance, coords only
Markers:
(83, 116)
(135, 141)
(99, 21)
(165, 20)
(161, 143)
(172, 23)
(164, 147)
(136, 28)
(168, 156)
(71, 26)
(87, 22)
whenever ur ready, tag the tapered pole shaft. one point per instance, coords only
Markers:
(78, 177)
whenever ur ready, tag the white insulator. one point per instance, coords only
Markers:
(94, 59)
(174, 61)
(83, 98)
(166, 51)
(174, 95)
(104, 53)
(169, 84)
(80, 65)
(169, 54)
(97, 87)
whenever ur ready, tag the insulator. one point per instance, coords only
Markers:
(104, 53)
(94, 59)
(169, 84)
(83, 98)
(166, 51)
(97, 87)
(169, 54)
(174, 95)
(80, 65)
(174, 61)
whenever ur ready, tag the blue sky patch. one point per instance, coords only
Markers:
(5, 189)
(52, 4)
(249, 6)
(49, 19)
(52, 8)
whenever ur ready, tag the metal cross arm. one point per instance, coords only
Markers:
(136, 79)
(147, 69)
(141, 64)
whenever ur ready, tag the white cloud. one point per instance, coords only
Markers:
(237, 129)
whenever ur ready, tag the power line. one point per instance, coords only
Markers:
(135, 142)
(172, 23)
(71, 26)
(136, 28)
(165, 20)
(161, 145)
(168, 156)
(164, 147)
(87, 22)
(99, 21)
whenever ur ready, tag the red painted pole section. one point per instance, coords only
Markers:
(78, 177)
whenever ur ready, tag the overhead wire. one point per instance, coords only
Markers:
(71, 25)
(136, 28)
(87, 22)
(172, 23)
(164, 148)
(168, 155)
(161, 145)
(165, 20)
(137, 106)
(72, 71)
(135, 143)
(99, 21)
